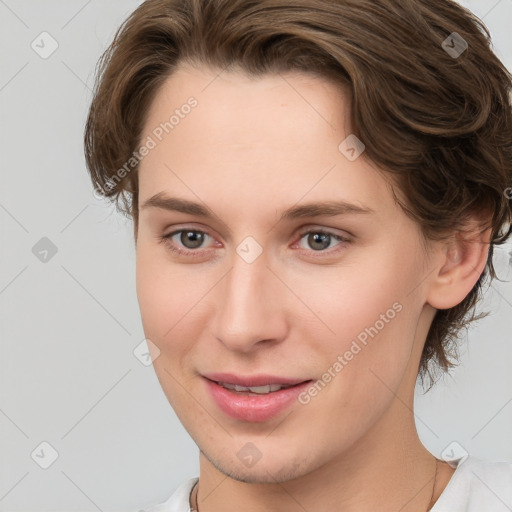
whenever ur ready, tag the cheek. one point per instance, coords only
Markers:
(159, 304)
(360, 297)
(167, 315)
(173, 302)
(364, 362)
(164, 290)
(374, 316)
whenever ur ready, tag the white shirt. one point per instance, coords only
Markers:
(476, 486)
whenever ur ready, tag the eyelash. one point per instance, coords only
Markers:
(166, 240)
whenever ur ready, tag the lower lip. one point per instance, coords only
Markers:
(255, 408)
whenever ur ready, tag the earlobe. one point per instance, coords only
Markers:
(460, 264)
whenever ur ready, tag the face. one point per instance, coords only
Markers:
(263, 283)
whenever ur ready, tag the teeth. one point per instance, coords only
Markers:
(262, 390)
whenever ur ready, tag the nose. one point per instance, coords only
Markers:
(251, 306)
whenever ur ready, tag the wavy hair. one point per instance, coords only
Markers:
(439, 122)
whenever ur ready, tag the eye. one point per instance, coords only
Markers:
(190, 242)
(191, 239)
(319, 240)
(185, 241)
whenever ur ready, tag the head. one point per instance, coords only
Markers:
(257, 112)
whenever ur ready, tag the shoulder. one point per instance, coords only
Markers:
(489, 474)
(178, 501)
(499, 471)
(477, 485)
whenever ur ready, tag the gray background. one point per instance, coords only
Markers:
(69, 325)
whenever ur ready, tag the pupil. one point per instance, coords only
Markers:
(322, 238)
(191, 239)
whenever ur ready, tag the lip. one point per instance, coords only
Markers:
(251, 380)
(255, 408)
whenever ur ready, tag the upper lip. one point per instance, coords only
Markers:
(252, 380)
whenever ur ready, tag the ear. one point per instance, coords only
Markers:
(459, 264)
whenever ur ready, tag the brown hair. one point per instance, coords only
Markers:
(439, 121)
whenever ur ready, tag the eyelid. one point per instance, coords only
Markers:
(302, 231)
(195, 229)
(185, 229)
(329, 231)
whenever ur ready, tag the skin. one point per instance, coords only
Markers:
(249, 150)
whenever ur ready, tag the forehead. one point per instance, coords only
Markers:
(234, 107)
(276, 136)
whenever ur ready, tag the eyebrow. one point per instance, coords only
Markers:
(316, 209)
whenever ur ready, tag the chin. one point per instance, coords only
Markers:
(263, 472)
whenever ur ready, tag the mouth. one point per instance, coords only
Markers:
(254, 390)
(254, 403)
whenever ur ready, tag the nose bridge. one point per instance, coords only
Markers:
(249, 309)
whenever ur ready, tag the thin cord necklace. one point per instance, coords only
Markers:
(430, 505)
